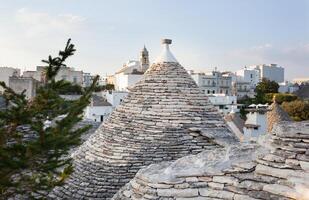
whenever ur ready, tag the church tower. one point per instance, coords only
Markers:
(144, 59)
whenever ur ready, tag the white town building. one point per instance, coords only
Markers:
(271, 72)
(224, 103)
(115, 97)
(131, 72)
(6, 73)
(288, 87)
(213, 82)
(65, 73)
(256, 123)
(243, 89)
(98, 110)
(251, 76)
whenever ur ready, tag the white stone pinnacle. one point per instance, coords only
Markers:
(166, 55)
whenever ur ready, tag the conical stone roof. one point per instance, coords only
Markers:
(276, 115)
(158, 121)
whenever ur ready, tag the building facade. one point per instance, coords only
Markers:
(98, 110)
(288, 87)
(256, 123)
(131, 72)
(271, 72)
(65, 73)
(243, 89)
(115, 97)
(19, 84)
(6, 73)
(251, 76)
(224, 103)
(213, 83)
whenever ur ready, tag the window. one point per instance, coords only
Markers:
(64, 77)
(102, 117)
(208, 91)
(213, 91)
(251, 75)
(74, 79)
(208, 82)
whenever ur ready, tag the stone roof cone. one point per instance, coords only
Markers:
(276, 115)
(158, 121)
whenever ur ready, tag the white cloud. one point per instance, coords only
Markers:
(293, 57)
(28, 36)
(40, 23)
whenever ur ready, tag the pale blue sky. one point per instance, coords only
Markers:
(227, 34)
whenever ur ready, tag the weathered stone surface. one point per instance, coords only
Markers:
(232, 173)
(216, 193)
(178, 192)
(153, 124)
(283, 191)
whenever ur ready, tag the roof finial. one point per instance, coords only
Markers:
(166, 41)
(166, 55)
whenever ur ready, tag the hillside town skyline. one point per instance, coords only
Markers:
(244, 34)
(154, 100)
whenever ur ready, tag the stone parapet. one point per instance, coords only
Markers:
(276, 169)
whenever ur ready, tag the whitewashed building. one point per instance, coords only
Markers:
(247, 75)
(213, 82)
(271, 72)
(256, 123)
(288, 87)
(98, 110)
(65, 73)
(243, 89)
(6, 73)
(115, 97)
(224, 103)
(131, 72)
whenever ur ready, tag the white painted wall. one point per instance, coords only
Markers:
(124, 81)
(256, 118)
(251, 76)
(224, 103)
(97, 113)
(272, 72)
(115, 97)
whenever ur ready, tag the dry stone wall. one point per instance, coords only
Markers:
(277, 168)
(165, 117)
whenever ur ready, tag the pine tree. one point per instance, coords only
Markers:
(29, 166)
